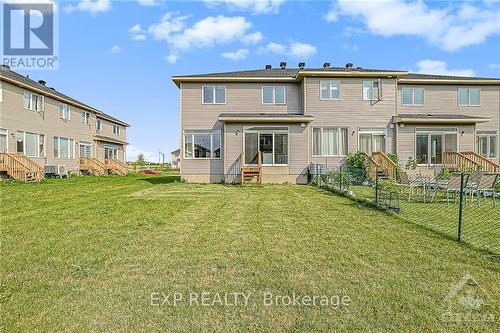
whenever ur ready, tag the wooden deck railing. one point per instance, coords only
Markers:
(371, 165)
(116, 166)
(388, 166)
(20, 167)
(486, 164)
(459, 162)
(93, 165)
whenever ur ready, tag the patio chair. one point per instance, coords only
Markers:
(408, 179)
(486, 185)
(473, 182)
(453, 186)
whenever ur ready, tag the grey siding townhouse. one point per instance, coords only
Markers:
(53, 129)
(285, 119)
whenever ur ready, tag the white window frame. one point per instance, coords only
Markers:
(37, 146)
(412, 102)
(98, 125)
(116, 129)
(479, 134)
(66, 115)
(379, 83)
(373, 132)
(272, 130)
(321, 138)
(6, 133)
(202, 132)
(85, 117)
(213, 93)
(30, 101)
(274, 95)
(71, 153)
(86, 144)
(330, 88)
(468, 96)
(429, 133)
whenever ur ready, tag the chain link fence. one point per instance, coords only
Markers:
(461, 206)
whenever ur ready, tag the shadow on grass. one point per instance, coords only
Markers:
(161, 180)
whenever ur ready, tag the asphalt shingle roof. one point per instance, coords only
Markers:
(418, 76)
(436, 116)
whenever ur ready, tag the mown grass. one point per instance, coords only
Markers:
(85, 254)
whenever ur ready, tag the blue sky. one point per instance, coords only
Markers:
(119, 55)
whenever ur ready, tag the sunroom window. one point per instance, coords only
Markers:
(202, 144)
(486, 143)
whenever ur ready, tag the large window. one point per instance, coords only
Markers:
(64, 112)
(85, 149)
(486, 143)
(3, 140)
(413, 96)
(329, 89)
(214, 95)
(30, 144)
(202, 144)
(330, 141)
(64, 148)
(271, 142)
(371, 140)
(468, 96)
(372, 90)
(273, 95)
(85, 117)
(33, 101)
(431, 144)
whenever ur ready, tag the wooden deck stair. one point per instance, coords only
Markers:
(458, 161)
(115, 166)
(485, 164)
(387, 167)
(93, 166)
(251, 173)
(21, 167)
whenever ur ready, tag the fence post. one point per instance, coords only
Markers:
(317, 175)
(376, 185)
(461, 207)
(340, 178)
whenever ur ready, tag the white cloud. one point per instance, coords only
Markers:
(450, 28)
(115, 50)
(137, 33)
(253, 6)
(331, 16)
(91, 6)
(167, 26)
(149, 2)
(172, 58)
(252, 38)
(133, 151)
(302, 50)
(236, 55)
(295, 50)
(441, 68)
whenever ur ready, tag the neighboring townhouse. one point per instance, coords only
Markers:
(274, 123)
(175, 159)
(40, 125)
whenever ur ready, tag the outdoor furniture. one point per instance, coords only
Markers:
(408, 179)
(454, 186)
(472, 185)
(486, 185)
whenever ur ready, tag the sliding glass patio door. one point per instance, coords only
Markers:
(431, 146)
(272, 142)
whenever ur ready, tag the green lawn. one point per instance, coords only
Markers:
(85, 254)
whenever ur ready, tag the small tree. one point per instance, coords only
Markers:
(141, 161)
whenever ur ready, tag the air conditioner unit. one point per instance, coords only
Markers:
(62, 170)
(56, 170)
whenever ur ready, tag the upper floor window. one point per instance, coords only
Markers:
(64, 148)
(330, 141)
(330, 89)
(30, 144)
(468, 96)
(372, 90)
(214, 95)
(85, 117)
(273, 95)
(98, 125)
(33, 101)
(413, 96)
(116, 129)
(202, 144)
(64, 111)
